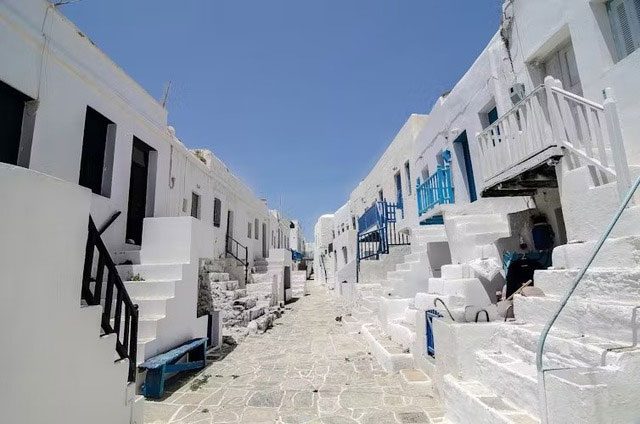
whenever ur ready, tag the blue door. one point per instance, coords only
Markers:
(463, 142)
(429, 316)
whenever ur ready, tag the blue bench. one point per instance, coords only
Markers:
(159, 366)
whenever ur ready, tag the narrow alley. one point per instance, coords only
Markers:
(307, 369)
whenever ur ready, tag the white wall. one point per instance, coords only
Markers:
(56, 368)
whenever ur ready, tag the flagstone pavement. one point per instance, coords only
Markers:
(306, 369)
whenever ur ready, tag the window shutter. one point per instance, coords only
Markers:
(625, 28)
(625, 21)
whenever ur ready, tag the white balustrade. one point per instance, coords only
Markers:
(553, 117)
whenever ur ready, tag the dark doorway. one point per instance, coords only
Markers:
(462, 146)
(265, 253)
(138, 184)
(398, 180)
(12, 120)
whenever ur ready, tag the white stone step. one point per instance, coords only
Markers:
(403, 266)
(260, 269)
(402, 333)
(218, 276)
(227, 285)
(148, 326)
(390, 355)
(150, 289)
(460, 308)
(371, 302)
(425, 301)
(398, 274)
(456, 271)
(561, 349)
(430, 238)
(416, 382)
(619, 284)
(152, 306)
(426, 230)
(363, 314)
(606, 320)
(617, 253)
(509, 378)
(151, 271)
(470, 402)
(484, 226)
(470, 289)
(147, 348)
(122, 256)
(413, 257)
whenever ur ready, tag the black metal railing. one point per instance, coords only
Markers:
(109, 221)
(240, 253)
(395, 238)
(101, 285)
(370, 245)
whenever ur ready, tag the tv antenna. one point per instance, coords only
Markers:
(165, 97)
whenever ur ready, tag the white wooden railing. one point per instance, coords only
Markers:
(553, 117)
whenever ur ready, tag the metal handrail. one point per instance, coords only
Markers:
(108, 222)
(126, 330)
(435, 303)
(576, 281)
(231, 242)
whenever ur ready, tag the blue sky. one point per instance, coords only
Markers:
(298, 97)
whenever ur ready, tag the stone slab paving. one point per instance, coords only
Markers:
(307, 369)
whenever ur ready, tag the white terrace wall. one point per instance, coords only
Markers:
(65, 72)
(382, 176)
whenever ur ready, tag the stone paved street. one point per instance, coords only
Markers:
(307, 369)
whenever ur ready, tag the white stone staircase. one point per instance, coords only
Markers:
(591, 354)
(156, 289)
(428, 242)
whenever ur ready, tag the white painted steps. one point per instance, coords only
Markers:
(390, 355)
(470, 402)
(597, 284)
(606, 319)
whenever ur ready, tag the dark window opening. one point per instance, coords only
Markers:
(255, 226)
(217, 212)
(195, 205)
(17, 120)
(407, 174)
(96, 164)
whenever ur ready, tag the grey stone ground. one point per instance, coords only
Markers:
(307, 369)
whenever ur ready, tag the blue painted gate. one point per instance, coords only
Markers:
(429, 316)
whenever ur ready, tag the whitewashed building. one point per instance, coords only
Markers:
(81, 139)
(525, 162)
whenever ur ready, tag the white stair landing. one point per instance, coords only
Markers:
(390, 355)
(470, 402)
